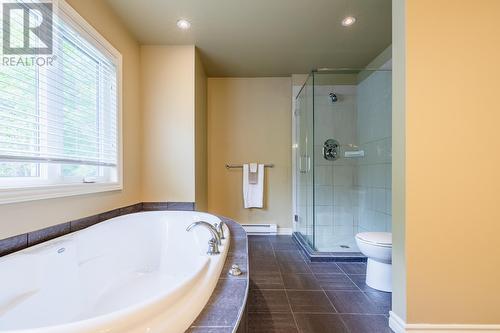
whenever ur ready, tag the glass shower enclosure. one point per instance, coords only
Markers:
(342, 158)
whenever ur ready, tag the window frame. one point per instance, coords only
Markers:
(35, 189)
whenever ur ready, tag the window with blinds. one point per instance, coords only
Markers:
(59, 120)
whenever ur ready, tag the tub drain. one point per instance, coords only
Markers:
(344, 246)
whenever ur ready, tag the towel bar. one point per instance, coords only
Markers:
(235, 166)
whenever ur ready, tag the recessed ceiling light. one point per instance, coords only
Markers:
(183, 24)
(348, 21)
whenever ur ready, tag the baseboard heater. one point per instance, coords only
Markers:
(260, 229)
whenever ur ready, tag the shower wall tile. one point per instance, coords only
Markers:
(379, 199)
(374, 170)
(343, 196)
(388, 198)
(323, 128)
(344, 124)
(343, 216)
(388, 176)
(374, 107)
(343, 176)
(324, 215)
(324, 234)
(378, 151)
(353, 195)
(388, 223)
(334, 191)
(323, 195)
(379, 174)
(370, 220)
(323, 175)
(343, 230)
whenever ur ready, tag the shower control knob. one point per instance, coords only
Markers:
(331, 149)
(235, 270)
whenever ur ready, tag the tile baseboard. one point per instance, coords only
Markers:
(152, 206)
(19, 242)
(398, 325)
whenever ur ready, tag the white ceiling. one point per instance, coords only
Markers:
(251, 38)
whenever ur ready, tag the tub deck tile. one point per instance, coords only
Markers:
(225, 310)
(136, 208)
(153, 206)
(215, 329)
(43, 235)
(13, 244)
(109, 215)
(84, 223)
(235, 258)
(186, 206)
(224, 305)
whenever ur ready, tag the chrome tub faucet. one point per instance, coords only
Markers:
(220, 229)
(214, 242)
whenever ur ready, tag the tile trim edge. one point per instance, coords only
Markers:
(22, 241)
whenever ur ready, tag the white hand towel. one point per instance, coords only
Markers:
(253, 194)
(253, 176)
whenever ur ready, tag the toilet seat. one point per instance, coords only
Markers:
(383, 239)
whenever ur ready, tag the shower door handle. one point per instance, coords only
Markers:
(304, 159)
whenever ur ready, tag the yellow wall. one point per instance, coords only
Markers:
(201, 172)
(28, 216)
(452, 162)
(168, 95)
(249, 120)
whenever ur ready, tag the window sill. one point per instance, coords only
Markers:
(8, 196)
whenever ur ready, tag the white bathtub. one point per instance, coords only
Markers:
(134, 273)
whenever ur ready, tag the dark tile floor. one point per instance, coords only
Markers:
(290, 294)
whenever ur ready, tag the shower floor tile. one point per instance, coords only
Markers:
(345, 245)
(291, 294)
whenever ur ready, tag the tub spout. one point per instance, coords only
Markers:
(214, 242)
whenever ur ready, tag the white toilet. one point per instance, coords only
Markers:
(377, 247)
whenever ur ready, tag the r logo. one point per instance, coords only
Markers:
(34, 23)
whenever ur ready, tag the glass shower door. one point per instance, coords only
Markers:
(304, 116)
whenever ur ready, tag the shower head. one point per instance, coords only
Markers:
(334, 97)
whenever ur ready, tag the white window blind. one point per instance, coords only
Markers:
(63, 114)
